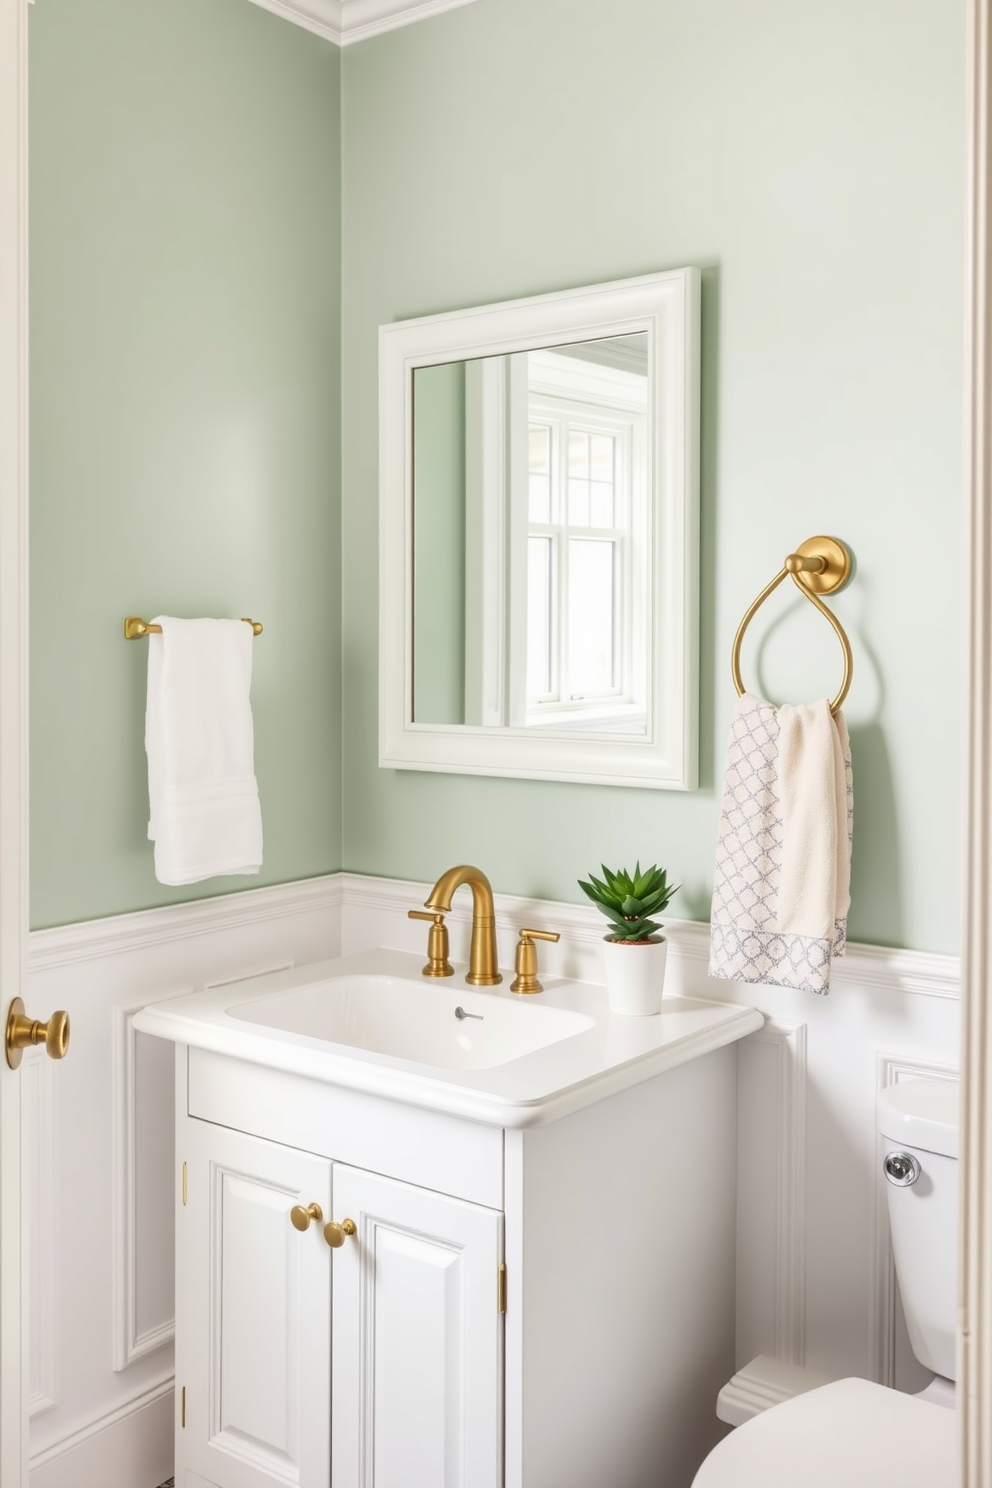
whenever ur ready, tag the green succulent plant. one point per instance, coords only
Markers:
(628, 900)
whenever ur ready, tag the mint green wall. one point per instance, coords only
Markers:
(439, 544)
(194, 243)
(809, 157)
(185, 416)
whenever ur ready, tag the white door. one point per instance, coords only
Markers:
(13, 712)
(254, 1316)
(417, 1339)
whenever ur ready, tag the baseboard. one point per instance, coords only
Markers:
(760, 1385)
(130, 1450)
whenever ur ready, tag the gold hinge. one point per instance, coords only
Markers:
(185, 1193)
(501, 1289)
(182, 1416)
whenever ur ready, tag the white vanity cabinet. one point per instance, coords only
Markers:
(390, 1361)
(379, 1361)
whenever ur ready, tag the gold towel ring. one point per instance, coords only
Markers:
(818, 566)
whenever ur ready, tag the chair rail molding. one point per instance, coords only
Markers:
(371, 905)
(346, 21)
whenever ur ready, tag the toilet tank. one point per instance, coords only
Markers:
(918, 1120)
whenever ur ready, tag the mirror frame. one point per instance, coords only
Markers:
(666, 307)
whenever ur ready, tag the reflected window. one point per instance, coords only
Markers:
(587, 542)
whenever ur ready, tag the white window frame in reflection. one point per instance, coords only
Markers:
(566, 396)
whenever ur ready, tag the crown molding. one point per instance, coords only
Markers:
(346, 21)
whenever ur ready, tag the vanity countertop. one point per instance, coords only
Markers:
(596, 1055)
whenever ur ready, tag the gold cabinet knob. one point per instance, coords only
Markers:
(300, 1217)
(22, 1032)
(337, 1234)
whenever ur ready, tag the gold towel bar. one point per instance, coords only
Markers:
(820, 565)
(135, 628)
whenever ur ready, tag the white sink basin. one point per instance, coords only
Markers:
(370, 1022)
(448, 1027)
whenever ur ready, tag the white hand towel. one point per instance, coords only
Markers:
(781, 889)
(204, 813)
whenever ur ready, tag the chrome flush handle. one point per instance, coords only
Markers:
(902, 1169)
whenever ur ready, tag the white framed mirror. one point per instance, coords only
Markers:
(538, 537)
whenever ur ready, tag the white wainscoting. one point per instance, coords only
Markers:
(815, 1285)
(99, 1129)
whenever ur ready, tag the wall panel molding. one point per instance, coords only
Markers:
(771, 1193)
(789, 1040)
(40, 1112)
(130, 1344)
(890, 1069)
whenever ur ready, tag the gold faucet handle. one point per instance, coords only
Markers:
(438, 964)
(526, 962)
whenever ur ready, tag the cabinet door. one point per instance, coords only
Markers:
(255, 1314)
(417, 1339)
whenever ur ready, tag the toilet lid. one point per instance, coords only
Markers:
(850, 1434)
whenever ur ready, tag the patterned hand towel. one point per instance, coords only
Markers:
(781, 888)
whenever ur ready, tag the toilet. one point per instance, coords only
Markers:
(852, 1433)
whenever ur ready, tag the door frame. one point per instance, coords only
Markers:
(975, 1345)
(975, 1245)
(13, 711)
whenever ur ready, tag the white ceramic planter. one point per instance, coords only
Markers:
(635, 976)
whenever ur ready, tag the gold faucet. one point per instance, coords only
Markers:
(483, 957)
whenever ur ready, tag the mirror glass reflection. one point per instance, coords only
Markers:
(532, 540)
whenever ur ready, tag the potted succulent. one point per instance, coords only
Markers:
(633, 952)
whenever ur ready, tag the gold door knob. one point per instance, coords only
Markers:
(22, 1032)
(337, 1234)
(301, 1217)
